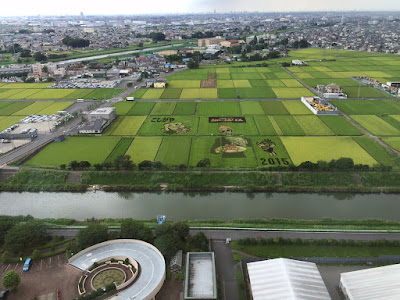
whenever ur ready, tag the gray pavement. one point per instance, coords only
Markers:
(225, 268)
(241, 234)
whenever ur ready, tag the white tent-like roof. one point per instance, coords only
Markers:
(288, 279)
(382, 283)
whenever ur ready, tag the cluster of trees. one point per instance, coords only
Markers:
(168, 237)
(341, 164)
(39, 56)
(122, 162)
(17, 234)
(301, 44)
(75, 42)
(157, 36)
(75, 165)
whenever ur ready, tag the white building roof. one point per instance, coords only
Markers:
(283, 278)
(376, 283)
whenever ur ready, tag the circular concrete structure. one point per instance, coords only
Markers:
(151, 261)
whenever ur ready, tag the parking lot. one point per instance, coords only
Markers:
(45, 276)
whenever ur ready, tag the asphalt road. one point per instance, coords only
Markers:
(225, 269)
(241, 234)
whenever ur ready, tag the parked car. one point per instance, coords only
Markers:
(3, 294)
(27, 265)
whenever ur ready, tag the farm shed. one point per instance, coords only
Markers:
(376, 283)
(283, 278)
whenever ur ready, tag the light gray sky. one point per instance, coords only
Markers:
(132, 7)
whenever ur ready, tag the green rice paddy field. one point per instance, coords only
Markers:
(38, 91)
(264, 133)
(236, 134)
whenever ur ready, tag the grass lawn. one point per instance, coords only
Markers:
(80, 94)
(313, 149)
(52, 94)
(155, 125)
(259, 92)
(190, 94)
(248, 128)
(103, 93)
(258, 83)
(274, 108)
(278, 156)
(13, 108)
(7, 121)
(365, 92)
(245, 76)
(380, 179)
(275, 83)
(26, 85)
(92, 149)
(184, 84)
(223, 76)
(244, 159)
(201, 148)
(321, 179)
(55, 107)
(225, 84)
(291, 83)
(138, 94)
(251, 108)
(393, 120)
(393, 142)
(242, 84)
(296, 108)
(291, 93)
(288, 125)
(312, 125)
(218, 109)
(207, 93)
(227, 93)
(264, 125)
(376, 125)
(123, 107)
(24, 94)
(153, 94)
(185, 108)
(366, 107)
(120, 149)
(144, 148)
(339, 125)
(129, 125)
(163, 109)
(174, 151)
(5, 103)
(7, 94)
(315, 250)
(141, 109)
(171, 94)
(34, 108)
(378, 152)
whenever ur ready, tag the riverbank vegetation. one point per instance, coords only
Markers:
(148, 178)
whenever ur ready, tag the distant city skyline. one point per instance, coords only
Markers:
(124, 7)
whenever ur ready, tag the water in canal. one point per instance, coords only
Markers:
(223, 206)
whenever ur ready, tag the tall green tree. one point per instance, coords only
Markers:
(25, 236)
(11, 280)
(91, 235)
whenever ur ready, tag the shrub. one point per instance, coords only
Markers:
(36, 254)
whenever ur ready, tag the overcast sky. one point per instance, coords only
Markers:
(133, 7)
